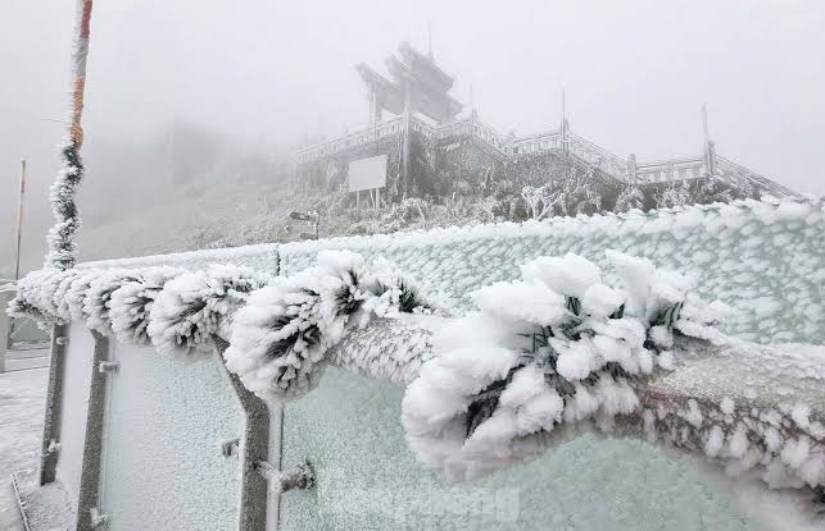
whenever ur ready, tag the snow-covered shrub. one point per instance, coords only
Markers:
(131, 304)
(194, 306)
(280, 337)
(542, 354)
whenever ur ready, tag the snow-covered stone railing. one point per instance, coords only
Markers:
(555, 354)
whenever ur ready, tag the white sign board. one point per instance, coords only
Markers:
(368, 174)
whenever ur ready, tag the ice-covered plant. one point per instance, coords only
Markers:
(542, 354)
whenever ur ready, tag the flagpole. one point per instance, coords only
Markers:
(20, 202)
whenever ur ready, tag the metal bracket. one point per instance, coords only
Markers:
(230, 447)
(97, 517)
(108, 366)
(54, 447)
(300, 476)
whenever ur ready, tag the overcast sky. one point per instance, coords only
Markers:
(636, 74)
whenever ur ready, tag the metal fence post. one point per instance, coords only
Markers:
(89, 497)
(254, 486)
(5, 296)
(54, 404)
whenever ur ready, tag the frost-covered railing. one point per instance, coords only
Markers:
(731, 168)
(670, 170)
(365, 136)
(570, 347)
(599, 157)
(537, 143)
(647, 172)
(474, 128)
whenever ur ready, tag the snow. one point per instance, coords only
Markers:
(727, 406)
(705, 243)
(489, 399)
(715, 441)
(280, 337)
(261, 257)
(523, 301)
(162, 465)
(193, 306)
(456, 261)
(22, 394)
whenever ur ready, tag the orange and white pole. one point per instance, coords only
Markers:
(79, 55)
(62, 250)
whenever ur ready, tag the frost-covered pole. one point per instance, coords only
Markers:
(20, 202)
(62, 251)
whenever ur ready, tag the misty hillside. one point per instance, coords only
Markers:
(198, 212)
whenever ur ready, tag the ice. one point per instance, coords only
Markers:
(727, 405)
(530, 302)
(715, 441)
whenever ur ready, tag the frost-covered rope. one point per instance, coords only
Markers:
(556, 348)
(280, 339)
(278, 329)
(560, 352)
(193, 307)
(546, 357)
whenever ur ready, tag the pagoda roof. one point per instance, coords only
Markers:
(428, 84)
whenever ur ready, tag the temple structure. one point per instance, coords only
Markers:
(429, 143)
(418, 86)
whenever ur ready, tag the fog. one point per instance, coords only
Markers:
(260, 77)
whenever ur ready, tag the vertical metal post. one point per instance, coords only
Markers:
(565, 142)
(54, 404)
(5, 297)
(20, 203)
(710, 149)
(631, 168)
(89, 495)
(255, 449)
(430, 37)
(406, 178)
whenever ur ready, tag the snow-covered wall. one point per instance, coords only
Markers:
(76, 388)
(263, 257)
(764, 260)
(367, 478)
(162, 465)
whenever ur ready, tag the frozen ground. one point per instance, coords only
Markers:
(22, 393)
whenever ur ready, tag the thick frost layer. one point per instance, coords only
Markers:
(62, 250)
(739, 253)
(133, 301)
(280, 338)
(192, 307)
(557, 348)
